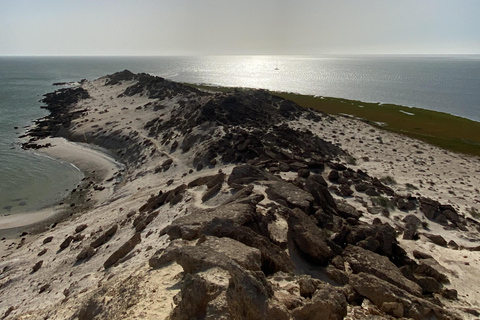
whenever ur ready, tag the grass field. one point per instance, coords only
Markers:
(437, 128)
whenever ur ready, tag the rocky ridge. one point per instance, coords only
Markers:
(271, 224)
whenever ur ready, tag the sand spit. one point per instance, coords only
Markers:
(243, 205)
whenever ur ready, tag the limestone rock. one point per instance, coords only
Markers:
(122, 251)
(308, 237)
(437, 239)
(190, 227)
(292, 195)
(247, 174)
(365, 261)
(104, 237)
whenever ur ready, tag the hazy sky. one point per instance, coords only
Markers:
(190, 27)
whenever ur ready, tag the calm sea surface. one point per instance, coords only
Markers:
(29, 181)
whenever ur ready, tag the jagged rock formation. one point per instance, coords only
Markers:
(262, 211)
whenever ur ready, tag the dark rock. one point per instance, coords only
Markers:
(337, 275)
(211, 192)
(380, 292)
(437, 239)
(193, 298)
(317, 187)
(213, 252)
(80, 228)
(421, 255)
(295, 166)
(104, 237)
(327, 302)
(431, 268)
(361, 260)
(37, 266)
(452, 244)
(66, 242)
(86, 253)
(428, 284)
(450, 294)
(47, 239)
(333, 176)
(249, 296)
(122, 251)
(346, 210)
(308, 238)
(372, 192)
(247, 174)
(404, 204)
(303, 173)
(451, 215)
(190, 227)
(44, 288)
(292, 195)
(274, 259)
(242, 193)
(412, 223)
(345, 190)
(361, 187)
(394, 309)
(308, 286)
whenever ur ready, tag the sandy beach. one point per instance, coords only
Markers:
(145, 147)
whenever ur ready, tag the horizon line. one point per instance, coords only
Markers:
(250, 54)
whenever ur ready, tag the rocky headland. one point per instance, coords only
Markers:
(242, 205)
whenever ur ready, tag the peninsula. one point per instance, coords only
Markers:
(240, 205)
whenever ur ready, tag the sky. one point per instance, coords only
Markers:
(223, 27)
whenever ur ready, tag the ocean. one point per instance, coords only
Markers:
(29, 181)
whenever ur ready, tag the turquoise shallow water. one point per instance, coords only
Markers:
(29, 181)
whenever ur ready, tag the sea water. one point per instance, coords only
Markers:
(29, 180)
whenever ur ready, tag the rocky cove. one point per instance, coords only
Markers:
(244, 205)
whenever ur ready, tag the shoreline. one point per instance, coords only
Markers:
(95, 165)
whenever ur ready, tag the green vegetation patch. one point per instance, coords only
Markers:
(437, 128)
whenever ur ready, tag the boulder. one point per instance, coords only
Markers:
(365, 261)
(240, 194)
(86, 253)
(80, 228)
(66, 242)
(37, 266)
(122, 251)
(193, 298)
(249, 296)
(428, 284)
(190, 226)
(289, 193)
(212, 252)
(245, 256)
(337, 275)
(412, 223)
(431, 268)
(104, 237)
(327, 303)
(333, 176)
(380, 292)
(437, 239)
(47, 239)
(274, 258)
(246, 174)
(421, 255)
(308, 237)
(318, 188)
